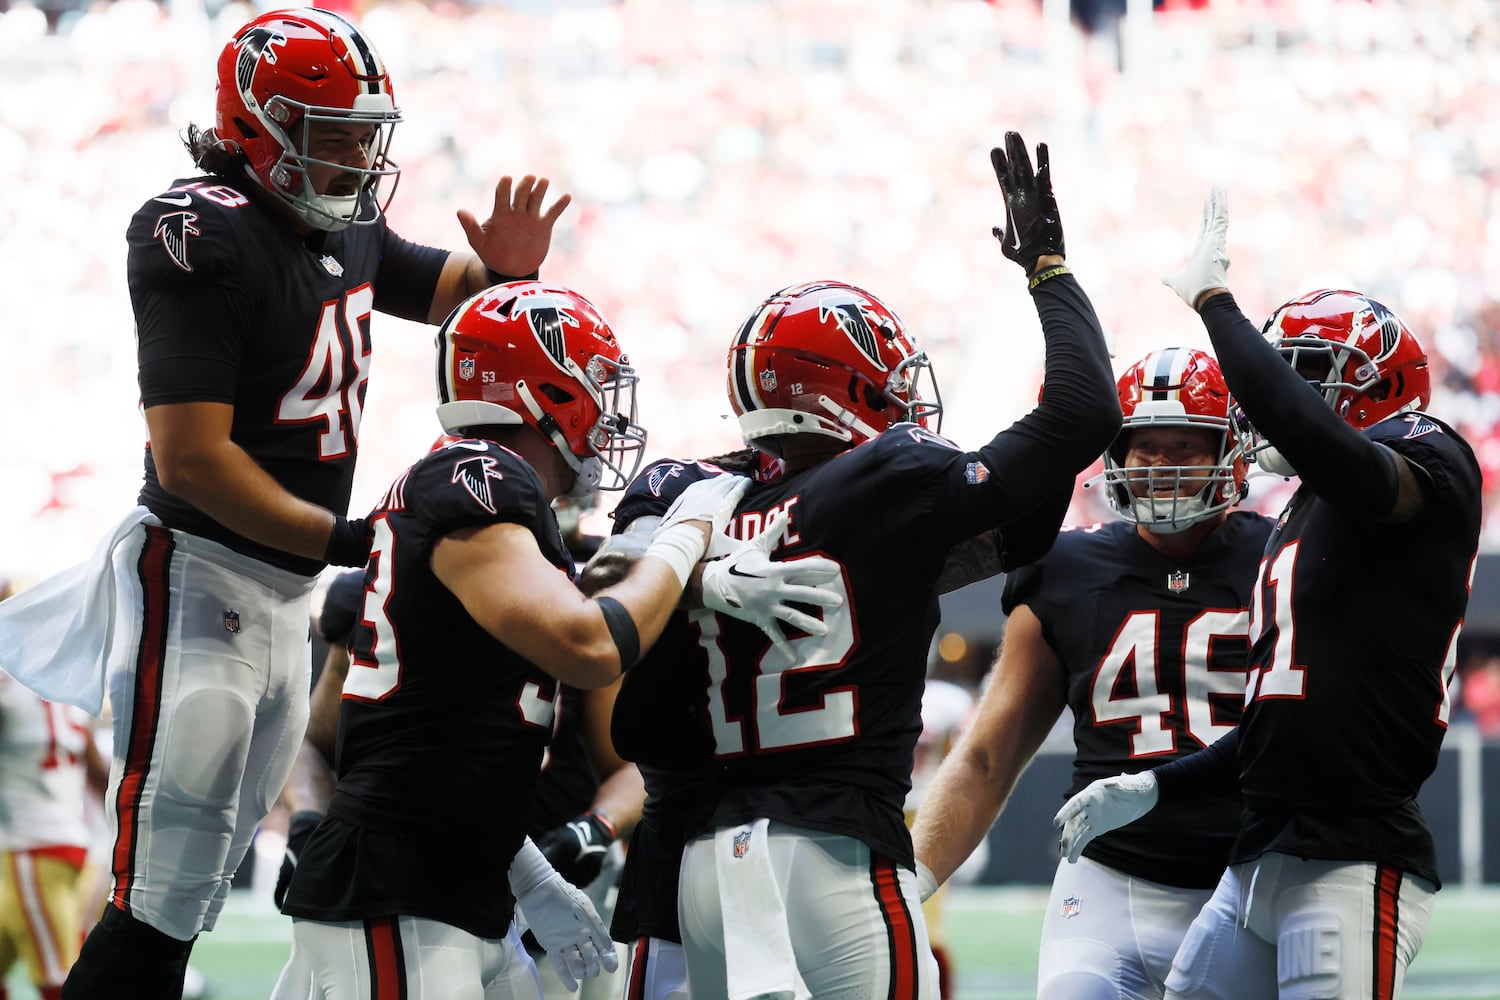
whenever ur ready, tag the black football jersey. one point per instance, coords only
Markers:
(567, 782)
(1355, 625)
(441, 727)
(826, 742)
(233, 306)
(1154, 652)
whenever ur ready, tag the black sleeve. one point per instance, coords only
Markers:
(1338, 463)
(1211, 771)
(1075, 420)
(1028, 538)
(408, 277)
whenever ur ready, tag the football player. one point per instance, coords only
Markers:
(253, 284)
(585, 798)
(802, 850)
(49, 768)
(1331, 878)
(469, 619)
(1140, 628)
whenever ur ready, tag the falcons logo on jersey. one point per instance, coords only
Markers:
(173, 229)
(474, 475)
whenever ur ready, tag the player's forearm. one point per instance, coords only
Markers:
(310, 786)
(620, 797)
(229, 486)
(958, 810)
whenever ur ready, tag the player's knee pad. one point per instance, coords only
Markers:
(1078, 969)
(1309, 956)
(208, 746)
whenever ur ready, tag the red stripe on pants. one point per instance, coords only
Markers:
(385, 965)
(636, 988)
(903, 937)
(145, 713)
(1387, 891)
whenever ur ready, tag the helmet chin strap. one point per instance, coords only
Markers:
(587, 472)
(846, 417)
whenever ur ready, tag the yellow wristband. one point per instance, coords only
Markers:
(1044, 274)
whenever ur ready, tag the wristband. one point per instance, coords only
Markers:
(606, 822)
(622, 630)
(348, 542)
(1044, 274)
(680, 546)
(496, 278)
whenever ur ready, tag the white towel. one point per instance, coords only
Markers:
(55, 637)
(759, 962)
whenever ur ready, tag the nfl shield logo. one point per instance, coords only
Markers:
(742, 843)
(1071, 906)
(976, 473)
(231, 621)
(1177, 581)
(332, 266)
(768, 380)
(465, 368)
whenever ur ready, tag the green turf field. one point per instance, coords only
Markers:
(993, 933)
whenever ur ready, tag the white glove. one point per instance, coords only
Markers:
(747, 585)
(681, 544)
(562, 918)
(1105, 805)
(927, 883)
(1208, 265)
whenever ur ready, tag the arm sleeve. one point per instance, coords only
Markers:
(1212, 770)
(408, 277)
(1338, 463)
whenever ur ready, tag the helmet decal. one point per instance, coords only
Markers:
(848, 311)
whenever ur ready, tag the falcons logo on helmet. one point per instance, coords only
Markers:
(547, 322)
(173, 230)
(850, 316)
(474, 475)
(256, 44)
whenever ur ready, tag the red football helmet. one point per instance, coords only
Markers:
(535, 354)
(827, 358)
(288, 70)
(1363, 357)
(1177, 387)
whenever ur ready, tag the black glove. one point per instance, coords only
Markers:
(1032, 226)
(349, 544)
(297, 833)
(577, 848)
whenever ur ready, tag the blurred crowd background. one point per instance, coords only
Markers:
(721, 149)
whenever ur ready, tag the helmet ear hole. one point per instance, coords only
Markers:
(873, 399)
(556, 393)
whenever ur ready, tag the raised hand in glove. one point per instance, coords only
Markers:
(1106, 804)
(298, 831)
(1208, 265)
(578, 847)
(747, 585)
(561, 918)
(1033, 227)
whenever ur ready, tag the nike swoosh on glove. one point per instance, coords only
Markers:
(749, 586)
(578, 847)
(1106, 804)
